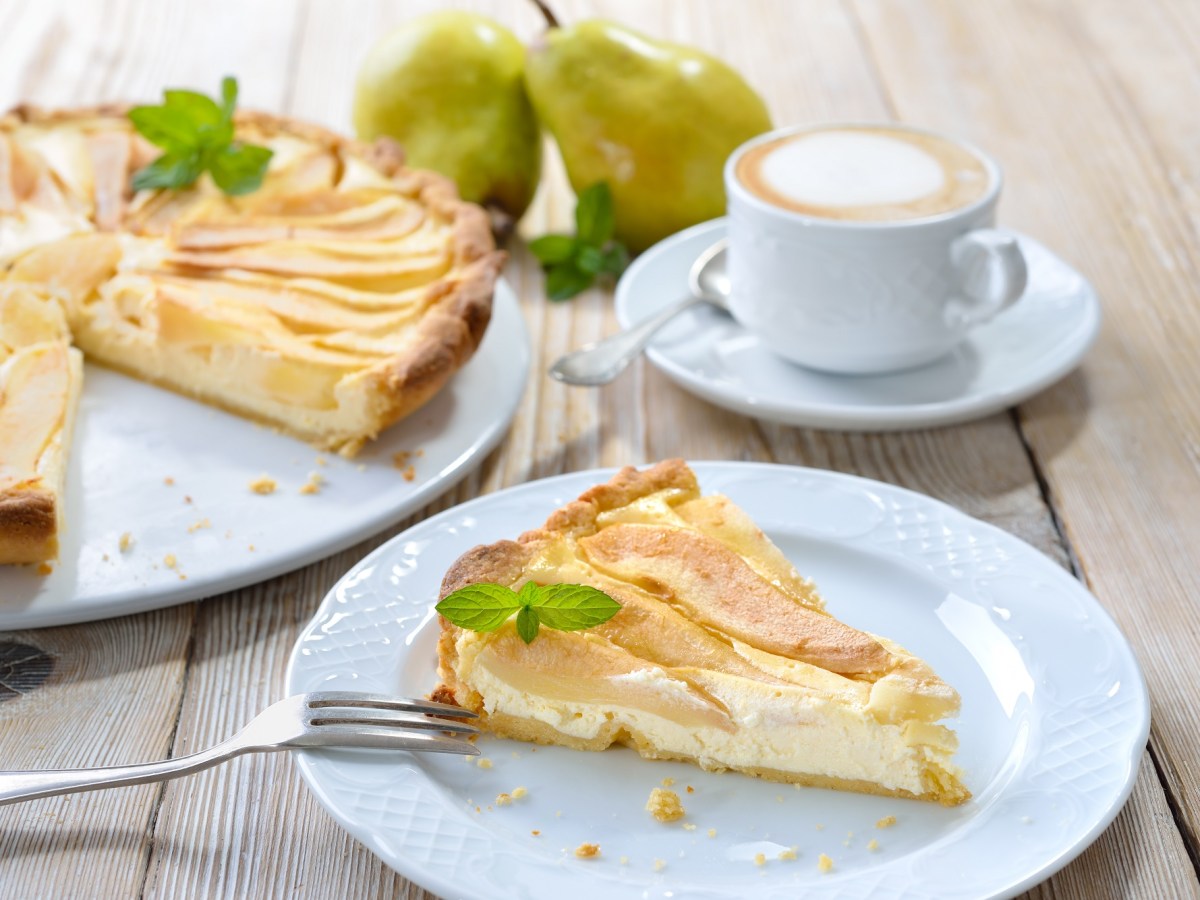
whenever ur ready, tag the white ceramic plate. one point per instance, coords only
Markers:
(1023, 350)
(130, 437)
(1055, 718)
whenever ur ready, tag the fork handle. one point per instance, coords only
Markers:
(16, 787)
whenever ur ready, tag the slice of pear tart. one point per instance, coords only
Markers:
(721, 654)
(40, 376)
(330, 303)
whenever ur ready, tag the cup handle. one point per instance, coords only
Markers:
(991, 276)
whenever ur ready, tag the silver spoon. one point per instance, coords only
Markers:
(602, 361)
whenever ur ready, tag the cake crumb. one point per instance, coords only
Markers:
(187, 498)
(824, 864)
(885, 822)
(125, 542)
(668, 782)
(558, 814)
(624, 860)
(203, 523)
(322, 461)
(170, 561)
(872, 845)
(483, 762)
(250, 548)
(409, 473)
(689, 826)
(789, 853)
(168, 481)
(760, 859)
(105, 557)
(712, 832)
(478, 809)
(536, 833)
(779, 798)
(44, 568)
(587, 851)
(519, 792)
(659, 865)
(264, 485)
(690, 789)
(313, 485)
(819, 827)
(664, 805)
(362, 467)
(504, 799)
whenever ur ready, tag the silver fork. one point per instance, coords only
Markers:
(321, 719)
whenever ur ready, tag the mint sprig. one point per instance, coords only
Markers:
(563, 607)
(572, 263)
(196, 135)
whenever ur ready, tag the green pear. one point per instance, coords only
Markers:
(653, 119)
(449, 86)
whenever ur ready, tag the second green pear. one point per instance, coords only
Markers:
(655, 120)
(449, 86)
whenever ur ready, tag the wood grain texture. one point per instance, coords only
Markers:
(1037, 81)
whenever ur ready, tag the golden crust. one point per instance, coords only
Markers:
(28, 525)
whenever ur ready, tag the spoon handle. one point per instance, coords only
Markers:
(601, 362)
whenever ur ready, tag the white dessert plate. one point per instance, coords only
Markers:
(1020, 352)
(1054, 719)
(175, 475)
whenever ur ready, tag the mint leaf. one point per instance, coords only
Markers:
(170, 129)
(527, 624)
(168, 171)
(616, 259)
(195, 107)
(480, 607)
(590, 259)
(564, 607)
(566, 280)
(572, 264)
(239, 169)
(197, 134)
(529, 594)
(553, 248)
(229, 92)
(594, 214)
(571, 607)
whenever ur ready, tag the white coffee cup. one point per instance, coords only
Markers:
(880, 281)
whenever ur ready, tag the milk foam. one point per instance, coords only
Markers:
(851, 168)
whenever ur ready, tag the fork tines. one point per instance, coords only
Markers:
(322, 699)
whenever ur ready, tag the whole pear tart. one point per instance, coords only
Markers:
(330, 303)
(721, 654)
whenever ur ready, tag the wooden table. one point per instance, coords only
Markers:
(1092, 107)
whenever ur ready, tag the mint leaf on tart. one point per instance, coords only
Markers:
(563, 607)
(574, 607)
(196, 135)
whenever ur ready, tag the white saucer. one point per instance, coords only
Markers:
(1054, 719)
(1025, 349)
(175, 474)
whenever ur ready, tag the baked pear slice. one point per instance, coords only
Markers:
(721, 654)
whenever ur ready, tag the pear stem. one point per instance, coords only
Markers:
(551, 18)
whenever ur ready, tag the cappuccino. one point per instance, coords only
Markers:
(864, 174)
